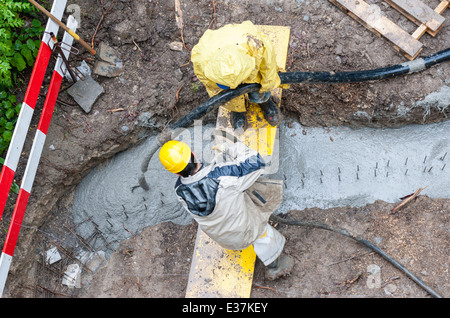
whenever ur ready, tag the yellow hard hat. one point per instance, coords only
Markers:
(230, 66)
(175, 155)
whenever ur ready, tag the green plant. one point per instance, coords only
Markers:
(19, 45)
(19, 42)
(194, 87)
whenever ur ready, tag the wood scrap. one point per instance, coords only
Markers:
(349, 282)
(179, 21)
(115, 110)
(407, 199)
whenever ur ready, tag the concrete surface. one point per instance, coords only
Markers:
(322, 168)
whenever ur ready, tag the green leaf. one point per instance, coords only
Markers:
(10, 114)
(27, 54)
(20, 63)
(12, 98)
(17, 45)
(15, 188)
(7, 135)
(18, 107)
(36, 23)
(30, 44)
(3, 95)
(6, 104)
(9, 125)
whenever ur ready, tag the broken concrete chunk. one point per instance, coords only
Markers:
(86, 93)
(176, 46)
(72, 276)
(106, 69)
(108, 62)
(52, 256)
(80, 72)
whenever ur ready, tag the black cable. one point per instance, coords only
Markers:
(316, 224)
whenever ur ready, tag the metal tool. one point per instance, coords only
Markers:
(62, 25)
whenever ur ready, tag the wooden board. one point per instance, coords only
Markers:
(423, 28)
(372, 18)
(419, 13)
(217, 272)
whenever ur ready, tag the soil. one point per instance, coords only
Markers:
(159, 81)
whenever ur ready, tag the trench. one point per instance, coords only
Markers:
(320, 167)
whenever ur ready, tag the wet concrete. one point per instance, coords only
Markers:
(339, 166)
(322, 168)
(111, 197)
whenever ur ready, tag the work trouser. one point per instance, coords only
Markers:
(269, 246)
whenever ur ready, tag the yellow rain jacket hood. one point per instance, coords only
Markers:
(233, 55)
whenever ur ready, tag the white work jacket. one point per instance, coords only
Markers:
(227, 201)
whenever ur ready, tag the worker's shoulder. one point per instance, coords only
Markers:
(238, 168)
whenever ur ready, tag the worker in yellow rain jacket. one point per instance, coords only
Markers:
(229, 200)
(238, 54)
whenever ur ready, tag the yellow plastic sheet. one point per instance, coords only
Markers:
(233, 55)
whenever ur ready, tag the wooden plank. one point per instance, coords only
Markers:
(423, 28)
(419, 13)
(217, 272)
(372, 18)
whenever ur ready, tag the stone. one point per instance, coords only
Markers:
(86, 93)
(80, 72)
(52, 256)
(108, 62)
(176, 46)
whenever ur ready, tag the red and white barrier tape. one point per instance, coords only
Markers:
(28, 105)
(34, 158)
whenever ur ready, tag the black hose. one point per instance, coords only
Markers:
(290, 78)
(316, 77)
(367, 75)
(316, 224)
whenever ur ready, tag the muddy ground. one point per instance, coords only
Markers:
(159, 81)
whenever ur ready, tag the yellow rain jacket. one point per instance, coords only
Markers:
(233, 55)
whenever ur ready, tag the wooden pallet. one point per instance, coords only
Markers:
(371, 17)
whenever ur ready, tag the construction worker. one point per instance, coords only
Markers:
(228, 201)
(237, 54)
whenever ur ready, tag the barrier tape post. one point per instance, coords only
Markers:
(33, 160)
(28, 105)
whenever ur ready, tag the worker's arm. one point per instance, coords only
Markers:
(268, 69)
